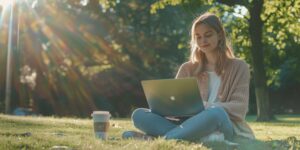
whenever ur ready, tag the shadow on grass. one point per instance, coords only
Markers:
(19, 122)
(243, 144)
(279, 120)
(290, 143)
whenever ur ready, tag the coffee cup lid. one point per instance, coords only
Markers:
(100, 113)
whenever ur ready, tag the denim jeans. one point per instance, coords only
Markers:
(192, 128)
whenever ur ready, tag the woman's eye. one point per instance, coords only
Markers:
(209, 35)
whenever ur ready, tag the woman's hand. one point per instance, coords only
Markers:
(205, 103)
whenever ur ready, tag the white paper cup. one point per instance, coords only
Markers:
(101, 123)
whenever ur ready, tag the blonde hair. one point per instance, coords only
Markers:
(223, 53)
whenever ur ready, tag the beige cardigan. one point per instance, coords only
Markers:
(233, 94)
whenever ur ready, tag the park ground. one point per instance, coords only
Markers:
(37, 132)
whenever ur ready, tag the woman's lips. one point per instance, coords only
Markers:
(203, 46)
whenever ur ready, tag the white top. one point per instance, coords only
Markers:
(213, 86)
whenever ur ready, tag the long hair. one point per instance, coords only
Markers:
(224, 51)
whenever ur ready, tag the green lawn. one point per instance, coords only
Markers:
(73, 133)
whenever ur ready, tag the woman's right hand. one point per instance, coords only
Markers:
(205, 103)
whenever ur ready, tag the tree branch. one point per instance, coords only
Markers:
(235, 2)
(277, 9)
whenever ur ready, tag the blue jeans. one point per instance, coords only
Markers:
(193, 128)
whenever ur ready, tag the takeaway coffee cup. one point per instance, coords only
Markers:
(101, 123)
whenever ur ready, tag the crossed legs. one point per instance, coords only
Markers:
(209, 120)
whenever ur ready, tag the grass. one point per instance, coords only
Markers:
(74, 133)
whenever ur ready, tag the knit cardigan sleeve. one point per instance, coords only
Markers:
(236, 102)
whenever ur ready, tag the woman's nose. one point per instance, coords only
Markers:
(203, 40)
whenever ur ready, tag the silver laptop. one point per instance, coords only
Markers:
(173, 97)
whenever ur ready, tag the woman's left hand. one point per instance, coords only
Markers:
(206, 104)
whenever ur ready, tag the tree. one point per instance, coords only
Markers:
(259, 15)
(261, 90)
(87, 57)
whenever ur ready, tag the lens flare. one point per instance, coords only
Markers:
(5, 3)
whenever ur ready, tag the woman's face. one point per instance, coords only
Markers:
(207, 38)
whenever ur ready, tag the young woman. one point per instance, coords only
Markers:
(224, 87)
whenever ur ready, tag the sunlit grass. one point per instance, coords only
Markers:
(285, 126)
(74, 133)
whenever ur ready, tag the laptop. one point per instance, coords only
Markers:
(173, 97)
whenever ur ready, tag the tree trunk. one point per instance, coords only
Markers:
(261, 90)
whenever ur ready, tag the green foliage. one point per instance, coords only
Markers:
(106, 4)
(93, 54)
(88, 57)
(163, 3)
(281, 33)
(281, 38)
(281, 19)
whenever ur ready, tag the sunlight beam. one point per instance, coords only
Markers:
(4, 4)
(8, 67)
